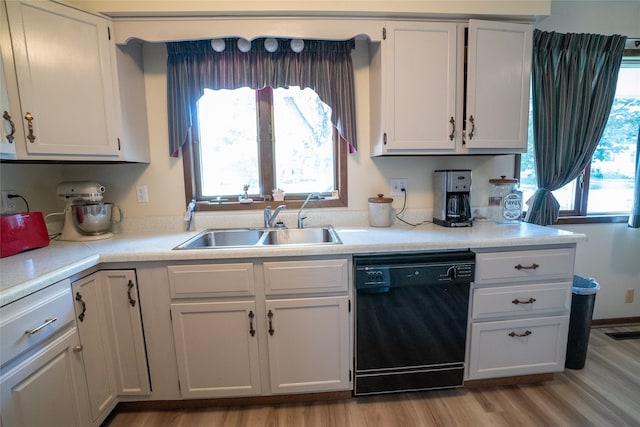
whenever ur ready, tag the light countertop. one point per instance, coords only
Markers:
(25, 273)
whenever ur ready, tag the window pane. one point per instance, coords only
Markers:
(304, 149)
(228, 142)
(613, 164)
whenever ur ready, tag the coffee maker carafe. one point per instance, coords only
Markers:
(451, 207)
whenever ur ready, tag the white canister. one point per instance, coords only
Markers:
(380, 211)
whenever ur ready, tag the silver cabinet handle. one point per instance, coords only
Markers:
(525, 334)
(78, 349)
(36, 330)
(529, 301)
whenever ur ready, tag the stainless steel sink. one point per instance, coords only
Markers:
(246, 237)
(223, 239)
(302, 236)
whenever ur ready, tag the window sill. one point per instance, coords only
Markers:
(593, 219)
(204, 206)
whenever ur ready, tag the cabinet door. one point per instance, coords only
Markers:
(96, 351)
(119, 292)
(10, 113)
(308, 344)
(47, 388)
(499, 69)
(65, 57)
(420, 86)
(216, 348)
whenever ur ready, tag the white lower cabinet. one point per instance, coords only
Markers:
(47, 388)
(518, 347)
(308, 344)
(228, 329)
(120, 300)
(519, 311)
(111, 338)
(42, 379)
(95, 347)
(216, 348)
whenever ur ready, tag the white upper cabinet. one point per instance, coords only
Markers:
(68, 96)
(8, 111)
(437, 89)
(66, 81)
(499, 69)
(418, 86)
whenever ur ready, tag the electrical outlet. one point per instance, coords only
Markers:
(397, 184)
(628, 296)
(8, 205)
(142, 194)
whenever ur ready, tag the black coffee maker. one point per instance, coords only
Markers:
(451, 195)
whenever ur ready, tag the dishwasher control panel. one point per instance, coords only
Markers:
(393, 271)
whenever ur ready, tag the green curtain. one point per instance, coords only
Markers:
(574, 79)
(324, 66)
(634, 216)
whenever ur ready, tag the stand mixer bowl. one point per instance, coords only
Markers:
(92, 218)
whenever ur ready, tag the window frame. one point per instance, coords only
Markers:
(264, 104)
(579, 214)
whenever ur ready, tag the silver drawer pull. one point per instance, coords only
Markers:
(526, 334)
(526, 267)
(529, 301)
(36, 330)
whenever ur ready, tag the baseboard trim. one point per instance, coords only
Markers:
(615, 321)
(160, 405)
(520, 379)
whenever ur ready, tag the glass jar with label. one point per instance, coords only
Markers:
(505, 200)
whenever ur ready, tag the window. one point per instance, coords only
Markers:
(266, 139)
(240, 119)
(605, 188)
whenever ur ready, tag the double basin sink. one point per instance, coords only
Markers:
(247, 237)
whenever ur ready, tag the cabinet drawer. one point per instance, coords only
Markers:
(518, 347)
(522, 266)
(501, 301)
(211, 280)
(33, 319)
(306, 277)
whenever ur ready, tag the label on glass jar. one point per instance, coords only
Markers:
(512, 206)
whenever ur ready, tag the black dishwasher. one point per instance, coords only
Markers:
(411, 320)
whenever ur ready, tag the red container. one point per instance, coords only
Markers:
(21, 232)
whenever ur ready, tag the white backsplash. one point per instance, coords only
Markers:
(205, 220)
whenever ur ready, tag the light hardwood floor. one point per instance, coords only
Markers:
(605, 393)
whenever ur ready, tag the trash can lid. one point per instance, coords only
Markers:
(584, 285)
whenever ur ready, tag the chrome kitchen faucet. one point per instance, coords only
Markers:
(269, 217)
